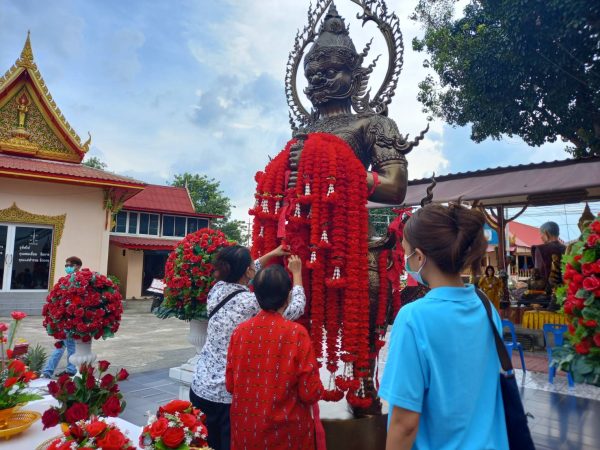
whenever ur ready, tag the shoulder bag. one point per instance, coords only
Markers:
(519, 436)
(224, 302)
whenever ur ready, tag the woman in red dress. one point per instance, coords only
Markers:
(272, 372)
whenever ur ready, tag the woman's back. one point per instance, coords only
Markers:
(443, 364)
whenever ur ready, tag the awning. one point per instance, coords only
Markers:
(138, 243)
(547, 183)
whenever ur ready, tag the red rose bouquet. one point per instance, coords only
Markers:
(85, 396)
(83, 305)
(189, 275)
(580, 299)
(92, 434)
(177, 425)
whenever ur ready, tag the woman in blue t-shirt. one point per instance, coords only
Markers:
(441, 378)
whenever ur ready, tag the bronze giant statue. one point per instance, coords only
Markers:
(345, 151)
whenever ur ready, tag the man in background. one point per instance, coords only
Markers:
(72, 265)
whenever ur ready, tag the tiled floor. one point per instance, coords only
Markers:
(562, 419)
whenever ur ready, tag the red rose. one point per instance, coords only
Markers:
(95, 428)
(591, 283)
(17, 366)
(63, 379)
(571, 329)
(59, 445)
(595, 226)
(583, 348)
(58, 344)
(90, 382)
(18, 315)
(173, 437)
(590, 323)
(106, 380)
(50, 418)
(10, 381)
(189, 420)
(122, 375)
(176, 406)
(158, 427)
(76, 431)
(78, 411)
(70, 387)
(53, 388)
(593, 239)
(112, 406)
(568, 308)
(103, 365)
(597, 339)
(113, 440)
(30, 376)
(3, 327)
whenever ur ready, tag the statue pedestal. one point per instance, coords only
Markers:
(367, 433)
(184, 375)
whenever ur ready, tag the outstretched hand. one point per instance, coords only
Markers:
(295, 265)
(280, 251)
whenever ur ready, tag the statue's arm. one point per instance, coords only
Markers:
(387, 161)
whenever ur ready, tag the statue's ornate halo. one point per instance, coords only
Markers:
(372, 11)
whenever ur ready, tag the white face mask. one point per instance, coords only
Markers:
(416, 275)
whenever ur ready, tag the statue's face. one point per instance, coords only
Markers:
(327, 80)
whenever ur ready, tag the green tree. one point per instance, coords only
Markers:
(95, 163)
(526, 68)
(208, 198)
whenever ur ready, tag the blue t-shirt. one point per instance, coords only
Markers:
(443, 364)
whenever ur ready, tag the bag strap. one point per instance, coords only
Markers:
(224, 302)
(500, 347)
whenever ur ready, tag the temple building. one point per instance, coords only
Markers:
(52, 206)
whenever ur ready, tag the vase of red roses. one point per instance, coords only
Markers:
(84, 305)
(92, 434)
(176, 425)
(580, 300)
(188, 279)
(85, 396)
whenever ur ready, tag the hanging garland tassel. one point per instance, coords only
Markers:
(325, 221)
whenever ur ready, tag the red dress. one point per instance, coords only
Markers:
(273, 376)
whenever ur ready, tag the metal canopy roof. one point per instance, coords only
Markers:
(547, 183)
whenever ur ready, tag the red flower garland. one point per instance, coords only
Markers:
(325, 222)
(85, 305)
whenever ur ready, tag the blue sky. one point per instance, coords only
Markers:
(181, 85)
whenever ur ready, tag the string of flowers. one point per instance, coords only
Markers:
(325, 220)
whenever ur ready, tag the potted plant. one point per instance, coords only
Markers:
(189, 278)
(580, 300)
(176, 425)
(85, 396)
(84, 305)
(92, 434)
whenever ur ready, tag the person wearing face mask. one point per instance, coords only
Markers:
(72, 265)
(441, 378)
(230, 303)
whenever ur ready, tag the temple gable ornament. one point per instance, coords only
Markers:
(30, 122)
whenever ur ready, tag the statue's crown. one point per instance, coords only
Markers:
(333, 35)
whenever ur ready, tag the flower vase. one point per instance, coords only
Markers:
(197, 337)
(83, 354)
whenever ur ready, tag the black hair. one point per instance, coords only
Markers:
(231, 263)
(74, 260)
(272, 286)
(452, 236)
(490, 267)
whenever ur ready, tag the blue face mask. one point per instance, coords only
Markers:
(416, 275)
(69, 269)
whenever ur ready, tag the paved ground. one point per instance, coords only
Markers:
(142, 343)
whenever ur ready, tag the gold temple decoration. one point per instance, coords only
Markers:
(113, 203)
(40, 97)
(15, 214)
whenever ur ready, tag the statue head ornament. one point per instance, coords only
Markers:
(333, 67)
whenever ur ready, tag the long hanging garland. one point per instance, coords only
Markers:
(324, 220)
